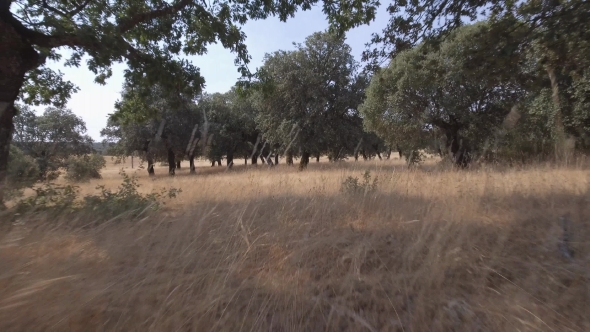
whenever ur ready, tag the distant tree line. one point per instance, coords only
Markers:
(305, 105)
(512, 87)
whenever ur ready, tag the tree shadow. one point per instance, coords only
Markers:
(383, 262)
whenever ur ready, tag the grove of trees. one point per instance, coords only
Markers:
(305, 104)
(468, 80)
(148, 36)
(47, 145)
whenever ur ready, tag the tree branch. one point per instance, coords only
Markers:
(72, 40)
(129, 23)
(36, 37)
(53, 9)
(78, 9)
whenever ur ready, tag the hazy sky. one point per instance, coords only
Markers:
(94, 102)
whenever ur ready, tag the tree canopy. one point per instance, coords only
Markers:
(51, 138)
(309, 97)
(150, 37)
(450, 91)
(466, 79)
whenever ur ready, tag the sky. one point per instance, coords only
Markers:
(94, 102)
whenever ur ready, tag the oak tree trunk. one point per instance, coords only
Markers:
(191, 161)
(458, 150)
(17, 57)
(276, 159)
(557, 119)
(230, 159)
(289, 158)
(304, 160)
(150, 168)
(178, 164)
(171, 162)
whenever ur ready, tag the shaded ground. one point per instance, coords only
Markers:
(287, 251)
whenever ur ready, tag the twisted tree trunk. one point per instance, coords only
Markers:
(559, 129)
(191, 161)
(171, 162)
(17, 57)
(150, 167)
(230, 159)
(304, 160)
(149, 158)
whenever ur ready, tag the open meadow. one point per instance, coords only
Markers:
(277, 249)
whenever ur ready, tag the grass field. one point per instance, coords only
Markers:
(261, 249)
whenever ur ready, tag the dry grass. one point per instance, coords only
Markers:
(258, 249)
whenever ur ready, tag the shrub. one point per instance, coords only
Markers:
(126, 200)
(50, 197)
(414, 157)
(353, 186)
(84, 168)
(22, 173)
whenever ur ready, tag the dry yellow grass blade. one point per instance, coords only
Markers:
(274, 249)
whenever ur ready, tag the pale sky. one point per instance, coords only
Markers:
(94, 102)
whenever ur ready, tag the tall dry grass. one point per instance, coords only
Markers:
(258, 249)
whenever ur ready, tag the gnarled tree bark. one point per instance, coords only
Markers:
(17, 57)
(304, 160)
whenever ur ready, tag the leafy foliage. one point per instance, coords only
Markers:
(150, 37)
(49, 197)
(315, 91)
(135, 124)
(231, 122)
(353, 186)
(84, 168)
(51, 138)
(413, 22)
(451, 93)
(44, 86)
(126, 201)
(23, 172)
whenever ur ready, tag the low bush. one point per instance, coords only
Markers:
(354, 186)
(84, 168)
(125, 201)
(22, 173)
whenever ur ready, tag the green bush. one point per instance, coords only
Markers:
(22, 173)
(354, 186)
(50, 197)
(414, 157)
(84, 168)
(125, 201)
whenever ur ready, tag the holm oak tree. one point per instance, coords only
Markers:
(148, 36)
